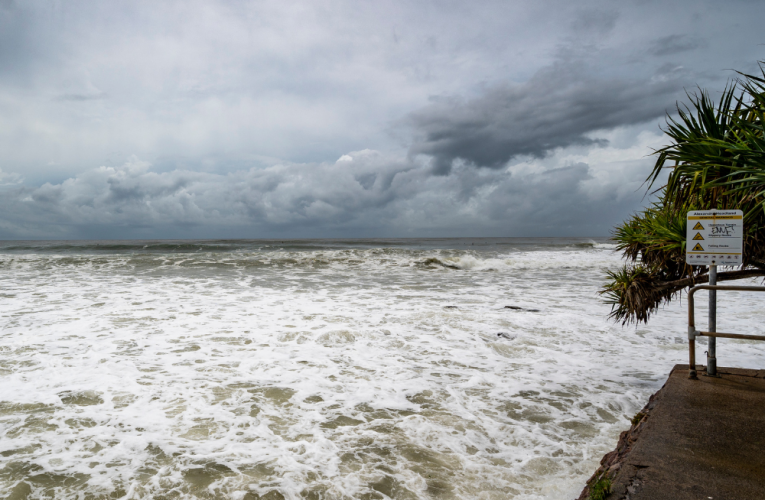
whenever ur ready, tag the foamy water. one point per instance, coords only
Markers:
(324, 370)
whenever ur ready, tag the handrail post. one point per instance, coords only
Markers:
(712, 352)
(691, 336)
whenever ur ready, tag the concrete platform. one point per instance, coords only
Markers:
(699, 439)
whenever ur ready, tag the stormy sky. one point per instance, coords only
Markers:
(235, 119)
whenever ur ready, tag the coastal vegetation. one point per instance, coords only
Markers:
(600, 488)
(715, 160)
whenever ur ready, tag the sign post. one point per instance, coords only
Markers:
(714, 237)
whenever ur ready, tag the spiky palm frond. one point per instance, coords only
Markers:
(633, 294)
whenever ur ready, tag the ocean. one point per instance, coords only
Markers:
(325, 369)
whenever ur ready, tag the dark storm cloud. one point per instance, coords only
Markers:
(674, 44)
(559, 106)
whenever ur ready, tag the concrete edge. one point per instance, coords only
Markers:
(612, 462)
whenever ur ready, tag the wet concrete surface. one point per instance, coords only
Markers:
(701, 439)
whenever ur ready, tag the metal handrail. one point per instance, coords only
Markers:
(693, 333)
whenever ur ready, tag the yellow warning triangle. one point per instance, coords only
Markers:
(698, 227)
(698, 237)
(698, 248)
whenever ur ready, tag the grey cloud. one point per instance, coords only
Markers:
(558, 107)
(369, 194)
(674, 44)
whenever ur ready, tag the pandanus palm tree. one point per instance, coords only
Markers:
(716, 159)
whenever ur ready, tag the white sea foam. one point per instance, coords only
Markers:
(325, 373)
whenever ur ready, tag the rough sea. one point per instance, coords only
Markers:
(325, 369)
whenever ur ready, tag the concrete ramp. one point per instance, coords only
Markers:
(696, 439)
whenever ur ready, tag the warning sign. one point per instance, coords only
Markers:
(721, 231)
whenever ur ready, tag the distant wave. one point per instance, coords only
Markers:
(238, 246)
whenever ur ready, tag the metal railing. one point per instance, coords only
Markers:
(712, 333)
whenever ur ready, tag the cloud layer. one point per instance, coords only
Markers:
(363, 193)
(211, 118)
